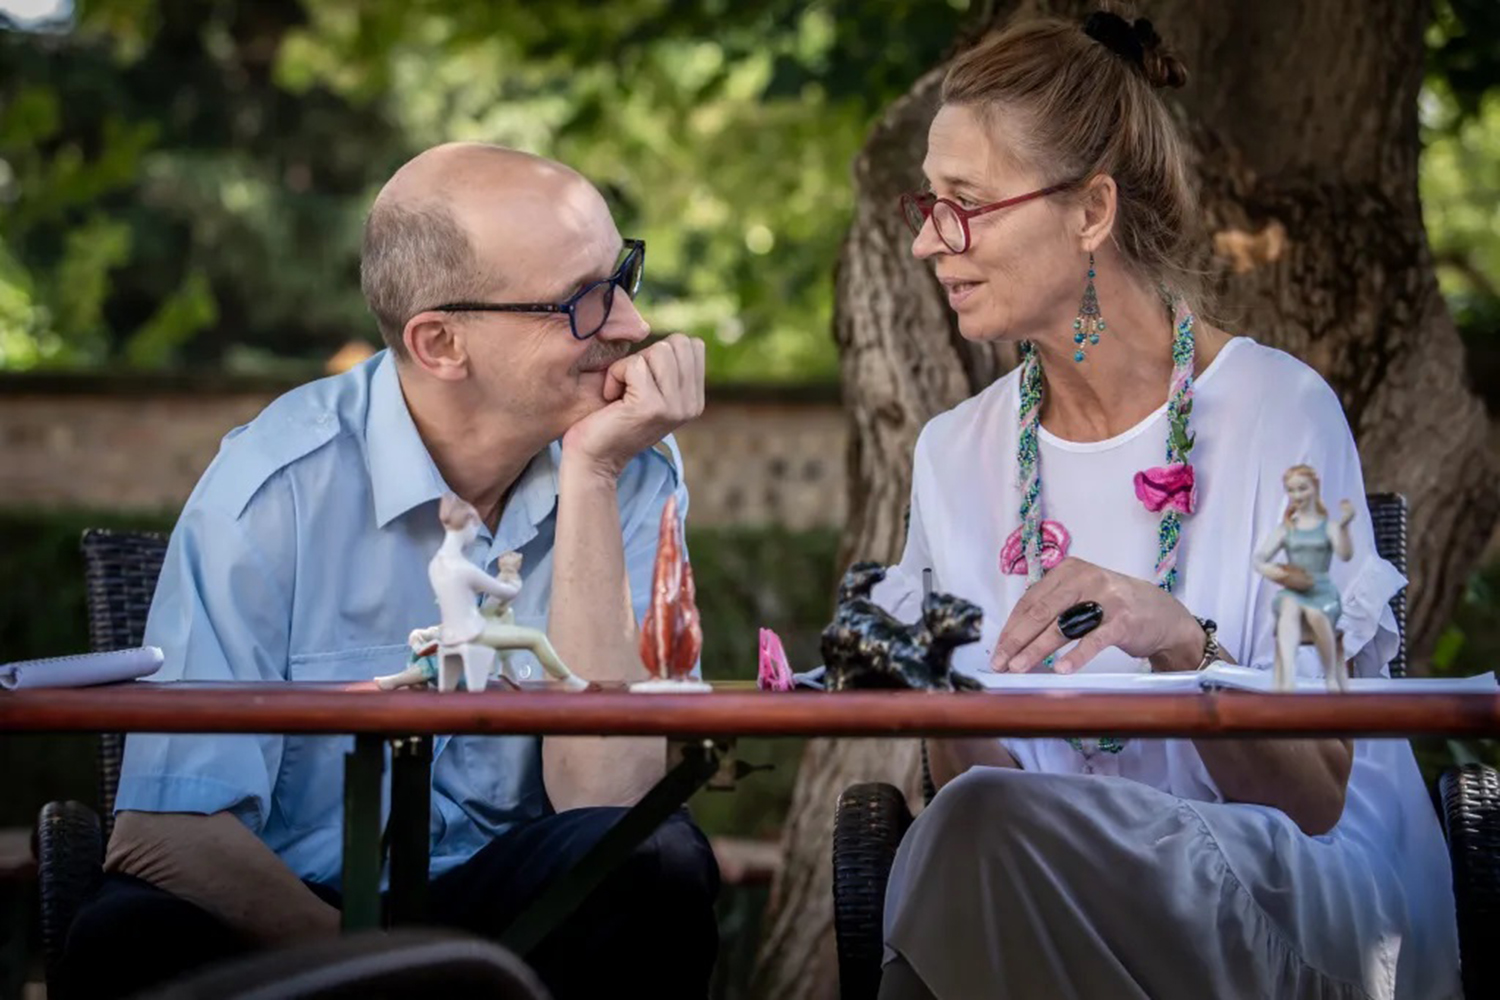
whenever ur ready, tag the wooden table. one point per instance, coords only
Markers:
(702, 723)
(736, 710)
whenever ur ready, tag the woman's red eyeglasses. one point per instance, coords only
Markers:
(951, 220)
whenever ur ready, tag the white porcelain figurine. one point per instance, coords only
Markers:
(477, 619)
(500, 611)
(421, 666)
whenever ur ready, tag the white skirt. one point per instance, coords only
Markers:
(1017, 885)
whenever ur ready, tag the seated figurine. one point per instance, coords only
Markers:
(502, 612)
(468, 640)
(421, 666)
(1308, 607)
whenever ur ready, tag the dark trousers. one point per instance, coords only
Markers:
(648, 929)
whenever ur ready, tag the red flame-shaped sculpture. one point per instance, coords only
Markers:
(672, 636)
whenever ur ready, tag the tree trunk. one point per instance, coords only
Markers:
(1302, 115)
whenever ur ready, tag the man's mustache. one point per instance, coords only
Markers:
(603, 356)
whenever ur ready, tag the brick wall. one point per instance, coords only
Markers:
(756, 457)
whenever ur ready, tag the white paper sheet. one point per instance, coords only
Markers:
(81, 670)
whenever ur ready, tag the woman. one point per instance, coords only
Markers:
(1125, 467)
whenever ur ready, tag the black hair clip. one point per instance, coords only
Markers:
(1129, 41)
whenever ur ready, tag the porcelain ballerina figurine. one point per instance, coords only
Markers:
(1307, 608)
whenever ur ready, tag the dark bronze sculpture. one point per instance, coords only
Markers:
(864, 647)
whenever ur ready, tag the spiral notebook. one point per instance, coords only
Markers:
(82, 670)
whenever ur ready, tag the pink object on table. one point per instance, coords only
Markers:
(1055, 543)
(775, 674)
(1166, 486)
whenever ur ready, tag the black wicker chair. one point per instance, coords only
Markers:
(120, 571)
(872, 818)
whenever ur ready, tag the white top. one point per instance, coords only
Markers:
(1256, 412)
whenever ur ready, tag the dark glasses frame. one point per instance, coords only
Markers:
(635, 257)
(925, 201)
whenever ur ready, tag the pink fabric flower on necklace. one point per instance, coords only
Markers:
(1055, 543)
(1167, 486)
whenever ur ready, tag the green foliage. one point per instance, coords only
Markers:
(1460, 177)
(1461, 193)
(186, 311)
(1463, 46)
(185, 182)
(25, 337)
(1470, 645)
(162, 199)
(234, 146)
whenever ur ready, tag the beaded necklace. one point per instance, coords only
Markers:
(1173, 502)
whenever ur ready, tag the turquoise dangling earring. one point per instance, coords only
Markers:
(1089, 324)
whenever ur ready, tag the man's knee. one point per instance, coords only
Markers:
(128, 934)
(121, 906)
(676, 862)
(663, 890)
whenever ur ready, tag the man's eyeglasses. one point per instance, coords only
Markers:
(588, 308)
(951, 220)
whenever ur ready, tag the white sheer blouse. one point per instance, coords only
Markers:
(1257, 411)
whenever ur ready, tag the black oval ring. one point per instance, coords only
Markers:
(1079, 620)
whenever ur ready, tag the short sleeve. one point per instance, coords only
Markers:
(1316, 433)
(221, 612)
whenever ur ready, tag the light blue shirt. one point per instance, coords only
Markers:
(302, 555)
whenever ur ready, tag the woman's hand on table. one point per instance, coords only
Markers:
(1305, 778)
(1140, 619)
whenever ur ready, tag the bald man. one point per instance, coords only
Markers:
(505, 296)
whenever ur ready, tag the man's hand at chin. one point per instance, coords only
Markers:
(647, 395)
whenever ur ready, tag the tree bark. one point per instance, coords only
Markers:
(1302, 118)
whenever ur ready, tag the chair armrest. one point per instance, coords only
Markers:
(1471, 816)
(868, 827)
(415, 963)
(70, 854)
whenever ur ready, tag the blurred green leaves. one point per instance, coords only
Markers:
(1460, 176)
(162, 200)
(1463, 49)
(185, 183)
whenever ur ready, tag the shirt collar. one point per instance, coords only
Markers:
(531, 501)
(402, 473)
(404, 476)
